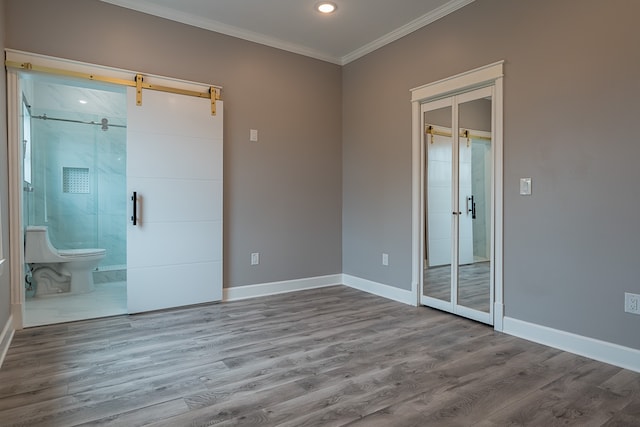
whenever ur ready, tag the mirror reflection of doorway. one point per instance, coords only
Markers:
(458, 205)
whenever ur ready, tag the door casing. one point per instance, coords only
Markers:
(456, 254)
(488, 76)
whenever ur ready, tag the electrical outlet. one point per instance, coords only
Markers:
(255, 258)
(631, 303)
(385, 259)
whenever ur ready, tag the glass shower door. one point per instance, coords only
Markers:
(74, 183)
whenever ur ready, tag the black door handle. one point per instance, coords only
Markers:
(134, 217)
(471, 206)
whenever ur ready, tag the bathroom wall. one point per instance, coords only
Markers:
(282, 195)
(79, 216)
(110, 169)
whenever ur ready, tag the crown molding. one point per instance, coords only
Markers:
(208, 24)
(409, 28)
(218, 27)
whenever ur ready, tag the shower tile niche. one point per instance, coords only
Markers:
(75, 180)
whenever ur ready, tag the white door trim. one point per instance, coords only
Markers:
(452, 304)
(488, 76)
(16, 237)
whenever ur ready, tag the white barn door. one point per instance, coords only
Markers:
(174, 165)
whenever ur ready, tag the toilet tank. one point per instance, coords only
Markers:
(38, 247)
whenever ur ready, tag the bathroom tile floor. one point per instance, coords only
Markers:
(108, 299)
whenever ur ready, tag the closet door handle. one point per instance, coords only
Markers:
(471, 206)
(134, 217)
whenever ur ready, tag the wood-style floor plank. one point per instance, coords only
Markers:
(325, 357)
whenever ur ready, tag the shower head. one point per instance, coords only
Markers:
(105, 124)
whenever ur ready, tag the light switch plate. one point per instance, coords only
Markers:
(255, 258)
(525, 186)
(253, 135)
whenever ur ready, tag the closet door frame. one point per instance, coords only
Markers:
(453, 306)
(487, 76)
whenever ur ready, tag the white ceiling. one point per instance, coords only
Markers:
(355, 29)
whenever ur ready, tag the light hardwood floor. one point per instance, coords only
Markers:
(325, 357)
(473, 284)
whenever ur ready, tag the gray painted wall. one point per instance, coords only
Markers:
(283, 194)
(571, 104)
(5, 289)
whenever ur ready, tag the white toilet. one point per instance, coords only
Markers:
(56, 270)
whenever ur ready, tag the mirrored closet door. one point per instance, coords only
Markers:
(458, 201)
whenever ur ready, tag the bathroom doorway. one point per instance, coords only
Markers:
(147, 205)
(74, 184)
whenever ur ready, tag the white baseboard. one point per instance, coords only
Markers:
(385, 291)
(273, 288)
(602, 351)
(5, 338)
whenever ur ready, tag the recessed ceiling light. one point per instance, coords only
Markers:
(82, 101)
(326, 7)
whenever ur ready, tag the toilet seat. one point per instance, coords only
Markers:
(80, 253)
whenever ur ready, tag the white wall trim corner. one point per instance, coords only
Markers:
(379, 289)
(274, 288)
(498, 316)
(5, 338)
(17, 312)
(14, 158)
(603, 351)
(417, 207)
